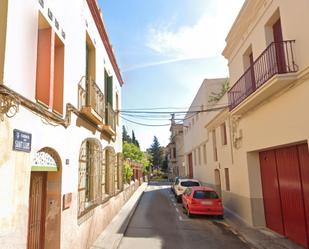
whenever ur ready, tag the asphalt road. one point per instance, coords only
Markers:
(159, 223)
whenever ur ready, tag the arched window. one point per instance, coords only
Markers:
(110, 162)
(119, 172)
(90, 175)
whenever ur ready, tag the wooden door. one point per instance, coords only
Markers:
(291, 194)
(271, 191)
(190, 165)
(285, 181)
(37, 199)
(279, 47)
(252, 72)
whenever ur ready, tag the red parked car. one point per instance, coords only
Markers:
(202, 200)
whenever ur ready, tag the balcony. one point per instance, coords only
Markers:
(110, 120)
(275, 66)
(91, 101)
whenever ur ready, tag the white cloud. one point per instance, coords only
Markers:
(206, 38)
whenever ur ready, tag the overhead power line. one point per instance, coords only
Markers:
(152, 115)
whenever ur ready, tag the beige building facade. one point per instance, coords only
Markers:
(267, 52)
(61, 179)
(257, 148)
(197, 139)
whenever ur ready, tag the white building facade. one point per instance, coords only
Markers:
(60, 134)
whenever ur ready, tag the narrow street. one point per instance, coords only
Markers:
(159, 222)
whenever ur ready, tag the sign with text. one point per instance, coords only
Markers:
(21, 141)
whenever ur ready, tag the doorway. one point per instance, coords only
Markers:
(37, 202)
(285, 181)
(44, 219)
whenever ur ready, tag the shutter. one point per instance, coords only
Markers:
(45, 66)
(110, 90)
(58, 79)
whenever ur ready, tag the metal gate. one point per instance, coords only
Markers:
(285, 183)
(37, 198)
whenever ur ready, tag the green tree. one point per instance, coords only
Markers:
(215, 97)
(132, 152)
(125, 136)
(134, 140)
(128, 172)
(156, 153)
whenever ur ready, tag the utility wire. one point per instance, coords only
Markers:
(177, 112)
(143, 124)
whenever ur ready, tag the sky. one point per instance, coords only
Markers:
(164, 49)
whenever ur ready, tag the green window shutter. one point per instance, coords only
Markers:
(110, 90)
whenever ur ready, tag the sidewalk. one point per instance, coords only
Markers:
(258, 238)
(112, 235)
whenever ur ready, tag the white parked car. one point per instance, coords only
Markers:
(181, 185)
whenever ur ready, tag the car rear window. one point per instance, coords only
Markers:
(189, 184)
(202, 194)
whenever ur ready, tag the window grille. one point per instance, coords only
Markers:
(90, 174)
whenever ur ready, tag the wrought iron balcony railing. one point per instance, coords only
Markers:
(277, 58)
(90, 96)
(110, 119)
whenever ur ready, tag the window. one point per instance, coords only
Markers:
(223, 134)
(199, 156)
(3, 26)
(205, 154)
(194, 157)
(90, 174)
(49, 68)
(117, 109)
(189, 184)
(110, 116)
(120, 170)
(110, 162)
(174, 152)
(214, 143)
(201, 194)
(227, 179)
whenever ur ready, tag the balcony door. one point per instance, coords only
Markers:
(279, 47)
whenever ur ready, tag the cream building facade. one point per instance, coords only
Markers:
(196, 138)
(60, 136)
(268, 59)
(257, 148)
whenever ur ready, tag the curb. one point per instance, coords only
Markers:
(127, 221)
(111, 237)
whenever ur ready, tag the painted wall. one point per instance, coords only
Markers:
(277, 121)
(195, 133)
(20, 75)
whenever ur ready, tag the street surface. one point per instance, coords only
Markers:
(159, 223)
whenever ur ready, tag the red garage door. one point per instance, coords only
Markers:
(285, 181)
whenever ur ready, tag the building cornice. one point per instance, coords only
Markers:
(217, 119)
(96, 14)
(249, 12)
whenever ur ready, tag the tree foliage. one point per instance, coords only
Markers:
(128, 172)
(132, 152)
(125, 136)
(215, 97)
(156, 153)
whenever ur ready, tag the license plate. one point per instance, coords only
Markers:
(207, 202)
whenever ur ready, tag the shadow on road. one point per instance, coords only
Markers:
(158, 222)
